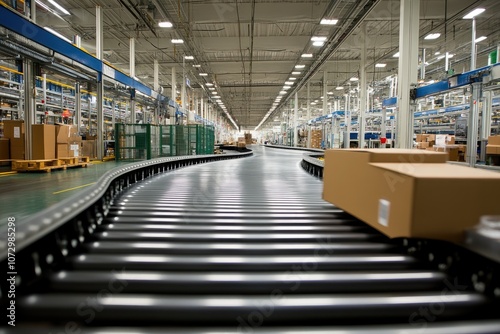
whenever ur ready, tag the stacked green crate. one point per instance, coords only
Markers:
(182, 140)
(167, 140)
(210, 139)
(132, 141)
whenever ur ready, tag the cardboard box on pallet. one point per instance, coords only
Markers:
(62, 150)
(43, 141)
(62, 133)
(398, 192)
(4, 148)
(14, 131)
(89, 148)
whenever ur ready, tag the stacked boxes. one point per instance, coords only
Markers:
(316, 136)
(14, 131)
(68, 142)
(248, 138)
(43, 141)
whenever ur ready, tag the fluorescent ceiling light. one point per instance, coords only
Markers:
(288, 82)
(474, 13)
(61, 8)
(176, 41)
(396, 55)
(216, 97)
(380, 65)
(331, 93)
(214, 93)
(319, 38)
(57, 34)
(441, 57)
(450, 55)
(307, 55)
(296, 73)
(300, 66)
(196, 65)
(212, 88)
(480, 39)
(282, 92)
(339, 87)
(292, 78)
(313, 103)
(354, 79)
(203, 74)
(319, 43)
(165, 24)
(433, 36)
(208, 84)
(437, 53)
(329, 21)
(287, 87)
(188, 57)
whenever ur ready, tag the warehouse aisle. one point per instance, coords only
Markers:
(23, 194)
(242, 244)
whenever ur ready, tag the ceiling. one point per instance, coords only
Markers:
(249, 47)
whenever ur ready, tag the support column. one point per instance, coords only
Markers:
(77, 40)
(407, 72)
(363, 101)
(183, 91)
(156, 87)
(383, 129)
(347, 120)
(485, 123)
(308, 117)
(44, 97)
(295, 120)
(113, 112)
(99, 26)
(78, 107)
(174, 84)
(31, 6)
(132, 107)
(132, 57)
(100, 117)
(473, 125)
(29, 106)
(422, 66)
(473, 46)
(202, 106)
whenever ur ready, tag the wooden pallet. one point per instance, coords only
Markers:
(50, 164)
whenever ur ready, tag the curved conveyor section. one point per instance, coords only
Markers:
(243, 246)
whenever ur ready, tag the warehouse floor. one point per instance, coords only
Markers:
(22, 194)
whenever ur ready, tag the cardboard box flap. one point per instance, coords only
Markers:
(395, 155)
(441, 171)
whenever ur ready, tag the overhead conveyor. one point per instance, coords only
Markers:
(246, 245)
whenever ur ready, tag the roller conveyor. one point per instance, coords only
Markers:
(247, 246)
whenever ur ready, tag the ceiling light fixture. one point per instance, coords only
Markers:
(282, 92)
(318, 43)
(329, 21)
(197, 65)
(212, 88)
(307, 55)
(300, 66)
(319, 38)
(57, 34)
(354, 79)
(432, 36)
(203, 74)
(480, 39)
(292, 78)
(165, 24)
(288, 82)
(208, 84)
(296, 73)
(214, 93)
(61, 8)
(396, 55)
(287, 87)
(380, 65)
(339, 87)
(474, 13)
(176, 41)
(188, 57)
(437, 53)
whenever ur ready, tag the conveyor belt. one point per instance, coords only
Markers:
(245, 246)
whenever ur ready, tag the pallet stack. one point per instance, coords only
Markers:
(316, 136)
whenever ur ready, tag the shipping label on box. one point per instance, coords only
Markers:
(17, 132)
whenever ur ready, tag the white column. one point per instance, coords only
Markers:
(473, 46)
(363, 101)
(100, 117)
(183, 91)
(99, 32)
(202, 106)
(78, 106)
(174, 84)
(33, 11)
(156, 75)
(473, 125)
(295, 120)
(29, 106)
(77, 40)
(422, 65)
(132, 57)
(408, 66)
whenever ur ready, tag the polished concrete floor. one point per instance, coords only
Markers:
(23, 194)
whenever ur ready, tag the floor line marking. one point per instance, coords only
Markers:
(74, 188)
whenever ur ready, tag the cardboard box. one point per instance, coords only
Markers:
(74, 150)
(15, 132)
(4, 148)
(492, 149)
(62, 133)
(450, 140)
(407, 200)
(43, 141)
(422, 145)
(494, 140)
(431, 137)
(89, 148)
(452, 150)
(62, 150)
(346, 177)
(422, 137)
